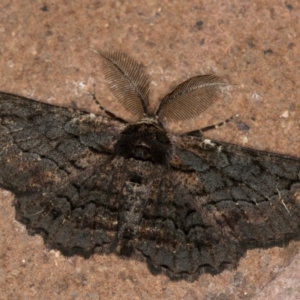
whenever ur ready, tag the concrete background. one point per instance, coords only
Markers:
(44, 55)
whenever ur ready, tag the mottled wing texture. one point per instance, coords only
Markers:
(58, 163)
(197, 213)
(127, 81)
(217, 201)
(190, 98)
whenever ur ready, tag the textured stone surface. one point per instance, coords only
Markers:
(44, 55)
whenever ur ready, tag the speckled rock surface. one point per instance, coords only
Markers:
(45, 55)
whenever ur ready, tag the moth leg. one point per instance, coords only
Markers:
(106, 112)
(200, 131)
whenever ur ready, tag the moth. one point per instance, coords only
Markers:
(184, 204)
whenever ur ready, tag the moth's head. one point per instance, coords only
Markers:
(130, 85)
(144, 141)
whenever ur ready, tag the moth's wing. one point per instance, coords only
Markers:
(58, 163)
(216, 201)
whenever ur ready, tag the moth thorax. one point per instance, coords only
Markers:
(144, 141)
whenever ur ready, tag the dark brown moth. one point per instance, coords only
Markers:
(184, 204)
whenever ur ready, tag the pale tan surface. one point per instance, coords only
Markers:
(44, 55)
